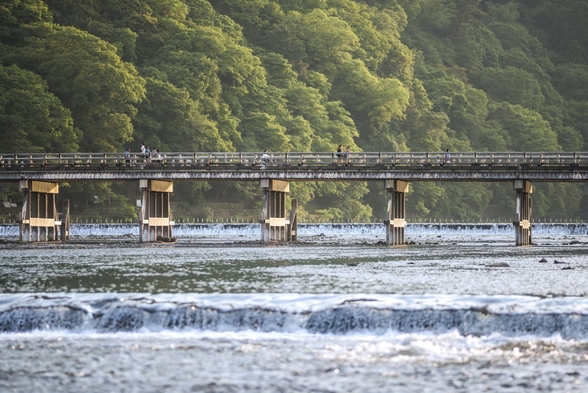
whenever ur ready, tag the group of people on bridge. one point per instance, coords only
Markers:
(146, 154)
(344, 156)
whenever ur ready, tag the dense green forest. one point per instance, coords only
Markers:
(298, 75)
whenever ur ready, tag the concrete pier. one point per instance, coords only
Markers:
(274, 225)
(155, 221)
(523, 189)
(39, 219)
(65, 221)
(293, 226)
(395, 217)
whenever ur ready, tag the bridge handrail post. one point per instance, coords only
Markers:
(492, 159)
(379, 158)
(286, 158)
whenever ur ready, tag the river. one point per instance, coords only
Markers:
(459, 309)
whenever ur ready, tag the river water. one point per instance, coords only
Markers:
(460, 309)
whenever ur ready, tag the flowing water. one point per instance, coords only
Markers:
(460, 309)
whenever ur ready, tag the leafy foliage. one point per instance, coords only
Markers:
(283, 75)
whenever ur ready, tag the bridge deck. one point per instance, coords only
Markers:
(462, 166)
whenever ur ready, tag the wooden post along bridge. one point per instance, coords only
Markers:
(39, 176)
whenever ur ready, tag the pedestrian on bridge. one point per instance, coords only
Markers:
(446, 157)
(340, 153)
(347, 155)
(265, 157)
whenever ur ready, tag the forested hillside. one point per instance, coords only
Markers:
(300, 75)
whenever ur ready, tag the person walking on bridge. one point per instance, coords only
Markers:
(347, 155)
(265, 157)
(340, 153)
(446, 157)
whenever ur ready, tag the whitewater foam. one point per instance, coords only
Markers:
(287, 313)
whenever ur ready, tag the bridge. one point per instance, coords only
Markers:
(39, 176)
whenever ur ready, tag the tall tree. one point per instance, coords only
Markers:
(31, 118)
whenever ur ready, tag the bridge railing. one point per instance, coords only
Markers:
(186, 160)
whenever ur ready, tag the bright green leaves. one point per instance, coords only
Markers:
(170, 120)
(87, 75)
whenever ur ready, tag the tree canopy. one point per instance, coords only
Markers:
(305, 75)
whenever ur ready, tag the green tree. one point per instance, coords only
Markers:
(31, 118)
(526, 128)
(89, 78)
(512, 85)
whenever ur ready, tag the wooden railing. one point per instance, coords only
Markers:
(200, 160)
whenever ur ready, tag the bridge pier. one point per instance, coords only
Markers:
(523, 189)
(396, 214)
(274, 225)
(39, 219)
(155, 223)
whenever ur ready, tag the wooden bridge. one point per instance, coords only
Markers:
(39, 175)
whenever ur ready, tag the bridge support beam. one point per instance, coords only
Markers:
(293, 225)
(155, 220)
(274, 225)
(39, 219)
(396, 214)
(523, 189)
